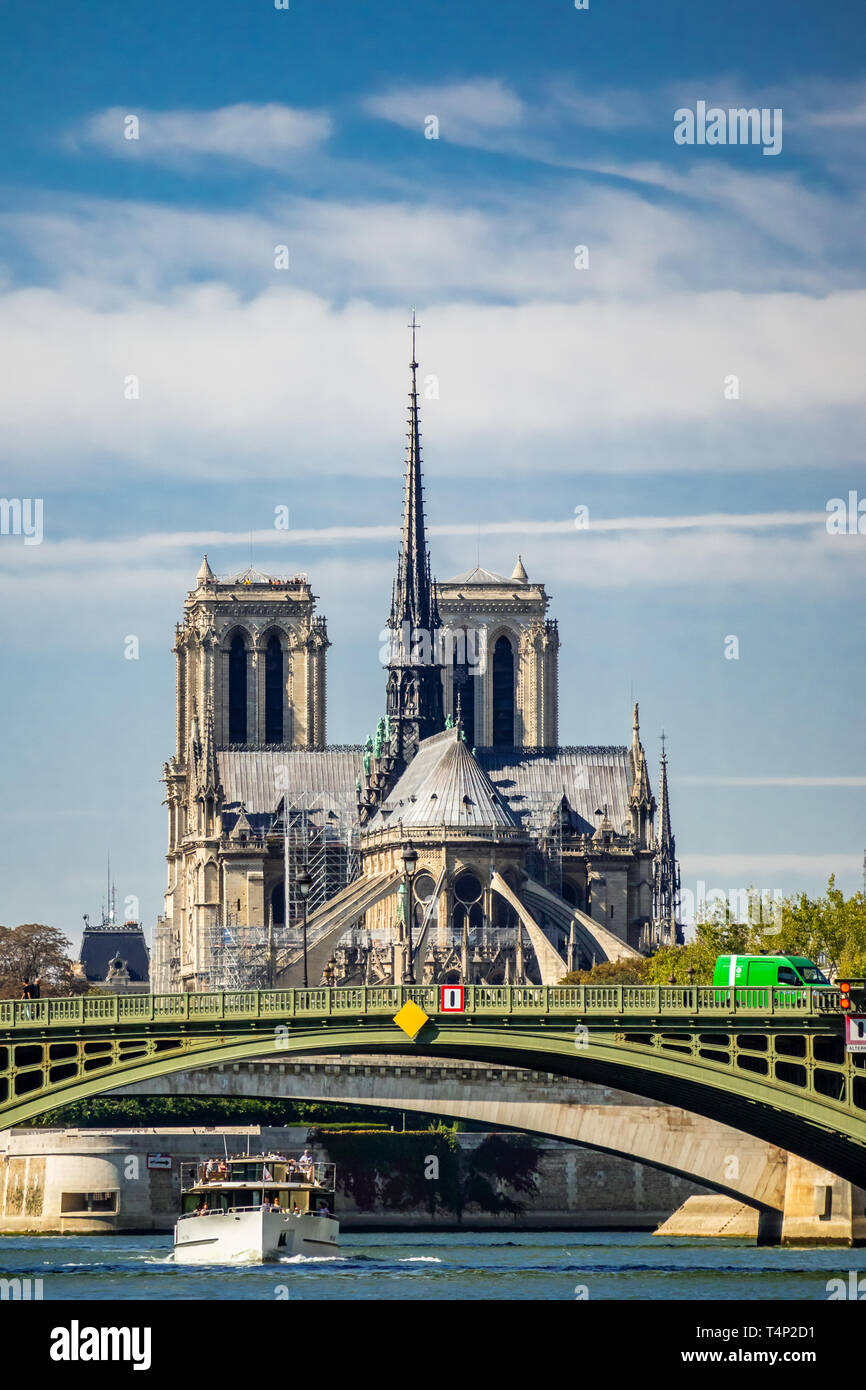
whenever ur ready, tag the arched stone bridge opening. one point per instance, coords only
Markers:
(555, 1106)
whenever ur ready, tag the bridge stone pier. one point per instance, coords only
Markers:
(758, 1190)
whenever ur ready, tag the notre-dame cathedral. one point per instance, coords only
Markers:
(526, 859)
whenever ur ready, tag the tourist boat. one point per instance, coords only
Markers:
(247, 1208)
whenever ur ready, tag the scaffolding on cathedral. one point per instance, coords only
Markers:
(319, 833)
(322, 834)
(240, 956)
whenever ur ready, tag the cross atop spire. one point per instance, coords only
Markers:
(413, 325)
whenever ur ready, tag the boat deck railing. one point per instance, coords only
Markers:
(236, 1211)
(321, 1175)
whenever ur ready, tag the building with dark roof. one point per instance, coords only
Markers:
(113, 956)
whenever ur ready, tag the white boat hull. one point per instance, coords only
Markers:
(241, 1237)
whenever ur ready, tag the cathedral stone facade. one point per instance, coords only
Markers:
(250, 675)
(527, 858)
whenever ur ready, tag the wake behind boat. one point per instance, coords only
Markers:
(257, 1207)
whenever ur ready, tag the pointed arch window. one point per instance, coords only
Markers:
(238, 690)
(463, 685)
(503, 694)
(274, 686)
(278, 905)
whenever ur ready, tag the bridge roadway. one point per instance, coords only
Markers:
(768, 1062)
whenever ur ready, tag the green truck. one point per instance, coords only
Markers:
(775, 971)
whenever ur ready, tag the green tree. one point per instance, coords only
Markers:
(36, 949)
(611, 972)
(830, 930)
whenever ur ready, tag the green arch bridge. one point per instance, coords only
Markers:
(768, 1061)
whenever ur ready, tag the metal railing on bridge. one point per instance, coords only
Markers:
(601, 1002)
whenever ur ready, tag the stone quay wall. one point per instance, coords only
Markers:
(67, 1181)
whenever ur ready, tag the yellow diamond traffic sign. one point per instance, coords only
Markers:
(411, 1019)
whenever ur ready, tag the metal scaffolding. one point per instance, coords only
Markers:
(319, 831)
(240, 956)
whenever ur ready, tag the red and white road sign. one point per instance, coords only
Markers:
(855, 1032)
(453, 999)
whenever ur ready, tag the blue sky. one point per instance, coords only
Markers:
(555, 387)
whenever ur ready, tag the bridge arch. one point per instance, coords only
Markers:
(671, 1140)
(698, 1049)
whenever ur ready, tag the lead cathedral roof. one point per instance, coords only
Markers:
(529, 783)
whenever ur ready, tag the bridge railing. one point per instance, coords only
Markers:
(591, 1001)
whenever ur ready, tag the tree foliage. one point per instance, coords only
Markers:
(830, 929)
(168, 1111)
(399, 1171)
(611, 972)
(35, 949)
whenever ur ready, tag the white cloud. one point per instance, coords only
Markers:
(136, 548)
(226, 381)
(487, 114)
(268, 136)
(727, 551)
(467, 111)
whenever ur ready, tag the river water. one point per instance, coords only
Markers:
(442, 1266)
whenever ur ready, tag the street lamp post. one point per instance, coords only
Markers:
(410, 859)
(304, 884)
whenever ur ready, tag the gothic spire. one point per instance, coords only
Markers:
(666, 873)
(414, 689)
(205, 574)
(414, 599)
(641, 801)
(640, 788)
(665, 836)
(210, 777)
